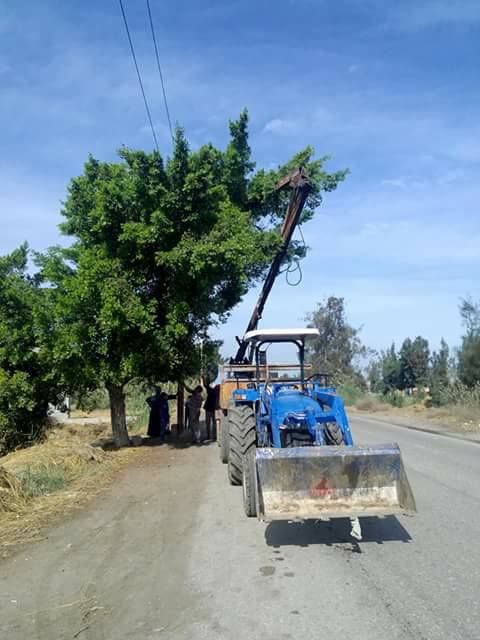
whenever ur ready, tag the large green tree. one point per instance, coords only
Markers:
(27, 383)
(161, 251)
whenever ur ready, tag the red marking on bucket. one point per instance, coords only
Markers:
(321, 489)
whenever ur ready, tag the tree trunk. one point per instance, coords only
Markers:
(118, 415)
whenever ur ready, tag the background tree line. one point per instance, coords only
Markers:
(339, 351)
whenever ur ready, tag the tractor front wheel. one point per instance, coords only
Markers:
(333, 434)
(242, 433)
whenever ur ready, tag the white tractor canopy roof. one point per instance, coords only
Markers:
(280, 335)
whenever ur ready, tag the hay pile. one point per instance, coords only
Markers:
(48, 479)
(12, 496)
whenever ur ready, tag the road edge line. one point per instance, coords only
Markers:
(446, 434)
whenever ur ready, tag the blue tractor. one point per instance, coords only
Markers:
(290, 445)
(285, 435)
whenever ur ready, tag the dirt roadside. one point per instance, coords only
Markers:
(105, 565)
(42, 484)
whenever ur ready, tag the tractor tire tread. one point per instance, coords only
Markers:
(334, 434)
(242, 433)
(224, 440)
(250, 483)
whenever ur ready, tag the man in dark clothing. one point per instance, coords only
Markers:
(159, 418)
(210, 407)
(194, 404)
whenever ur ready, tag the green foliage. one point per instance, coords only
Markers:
(459, 394)
(439, 374)
(26, 382)
(390, 369)
(469, 352)
(414, 363)
(42, 480)
(91, 400)
(338, 347)
(395, 398)
(350, 393)
(374, 375)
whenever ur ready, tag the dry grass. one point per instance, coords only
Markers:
(50, 479)
(371, 405)
(12, 495)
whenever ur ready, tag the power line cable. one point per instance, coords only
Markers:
(160, 71)
(138, 75)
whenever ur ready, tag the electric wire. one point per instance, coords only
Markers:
(139, 75)
(160, 70)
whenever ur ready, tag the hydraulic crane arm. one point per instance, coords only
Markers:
(301, 187)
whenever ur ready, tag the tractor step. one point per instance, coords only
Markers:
(331, 482)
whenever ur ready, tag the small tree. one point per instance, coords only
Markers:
(414, 363)
(469, 352)
(390, 369)
(374, 375)
(161, 252)
(338, 347)
(440, 365)
(439, 372)
(26, 382)
(407, 378)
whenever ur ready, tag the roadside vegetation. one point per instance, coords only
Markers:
(438, 385)
(53, 477)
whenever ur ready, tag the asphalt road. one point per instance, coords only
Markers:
(168, 554)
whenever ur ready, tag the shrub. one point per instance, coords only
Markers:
(395, 399)
(366, 404)
(350, 393)
(42, 480)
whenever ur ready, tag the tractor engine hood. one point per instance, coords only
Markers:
(294, 403)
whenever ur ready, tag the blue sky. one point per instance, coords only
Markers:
(388, 89)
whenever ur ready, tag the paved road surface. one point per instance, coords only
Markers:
(168, 554)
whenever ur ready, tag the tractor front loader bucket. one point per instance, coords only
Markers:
(331, 482)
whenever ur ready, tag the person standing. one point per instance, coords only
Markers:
(210, 407)
(154, 422)
(159, 418)
(165, 411)
(195, 402)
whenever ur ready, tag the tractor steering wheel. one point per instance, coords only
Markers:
(315, 376)
(322, 378)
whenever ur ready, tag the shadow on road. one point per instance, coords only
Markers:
(304, 534)
(176, 440)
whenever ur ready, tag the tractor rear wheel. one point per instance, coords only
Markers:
(250, 482)
(333, 434)
(224, 440)
(242, 433)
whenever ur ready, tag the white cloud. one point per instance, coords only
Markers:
(398, 183)
(280, 125)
